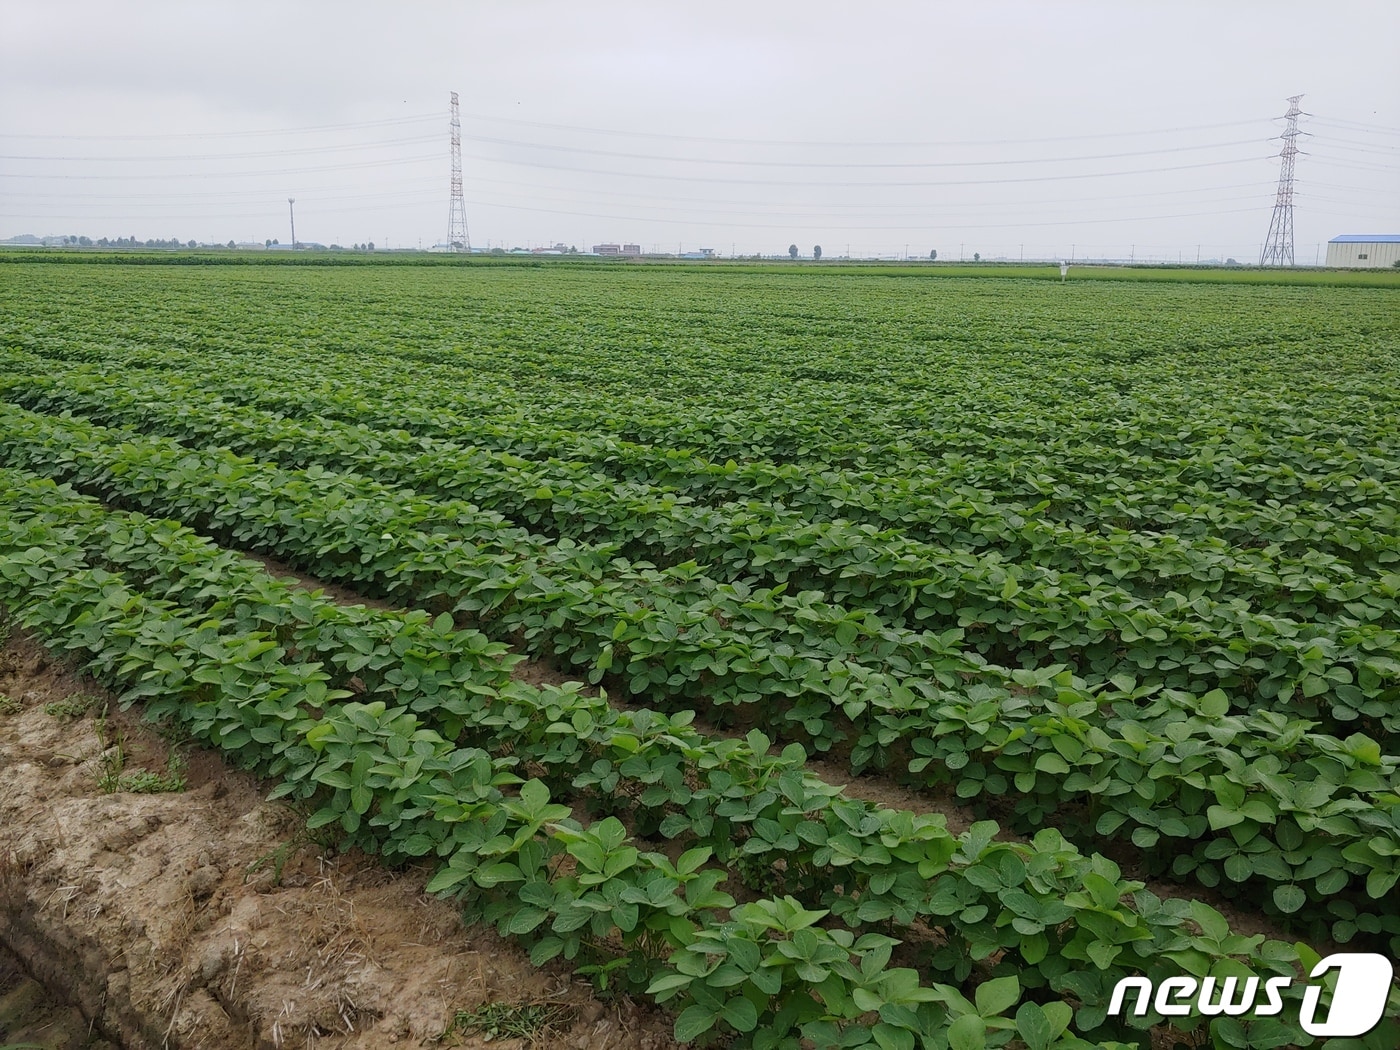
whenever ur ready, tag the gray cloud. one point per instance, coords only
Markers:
(703, 125)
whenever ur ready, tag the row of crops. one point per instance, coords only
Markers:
(1149, 617)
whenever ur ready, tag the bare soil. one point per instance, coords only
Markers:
(30, 1016)
(162, 920)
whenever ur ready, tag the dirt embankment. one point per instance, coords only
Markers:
(204, 919)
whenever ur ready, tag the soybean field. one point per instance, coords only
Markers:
(835, 657)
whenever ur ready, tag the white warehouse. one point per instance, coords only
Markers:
(1364, 250)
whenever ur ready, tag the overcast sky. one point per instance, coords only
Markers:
(1104, 129)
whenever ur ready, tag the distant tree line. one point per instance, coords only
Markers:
(156, 242)
(132, 242)
(129, 242)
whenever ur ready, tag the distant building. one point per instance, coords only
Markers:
(631, 249)
(1364, 250)
(607, 249)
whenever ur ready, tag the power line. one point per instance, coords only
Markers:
(1352, 125)
(1350, 165)
(288, 152)
(873, 185)
(903, 205)
(1333, 149)
(168, 136)
(639, 175)
(821, 212)
(861, 144)
(232, 174)
(1358, 147)
(862, 165)
(901, 226)
(421, 118)
(794, 209)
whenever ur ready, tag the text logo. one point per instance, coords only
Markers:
(1363, 984)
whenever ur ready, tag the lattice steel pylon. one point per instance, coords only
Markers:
(457, 239)
(1278, 245)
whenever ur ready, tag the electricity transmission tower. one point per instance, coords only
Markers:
(1278, 245)
(457, 240)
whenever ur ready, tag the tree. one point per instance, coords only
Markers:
(370, 246)
(192, 244)
(933, 255)
(817, 252)
(792, 251)
(231, 243)
(976, 256)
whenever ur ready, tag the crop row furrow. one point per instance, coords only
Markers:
(392, 785)
(1340, 516)
(755, 538)
(1039, 618)
(1330, 506)
(1158, 767)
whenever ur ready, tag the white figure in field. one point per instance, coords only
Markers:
(1064, 269)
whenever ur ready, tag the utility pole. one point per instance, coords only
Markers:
(457, 239)
(292, 211)
(1278, 245)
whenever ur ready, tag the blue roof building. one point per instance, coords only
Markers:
(1364, 250)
